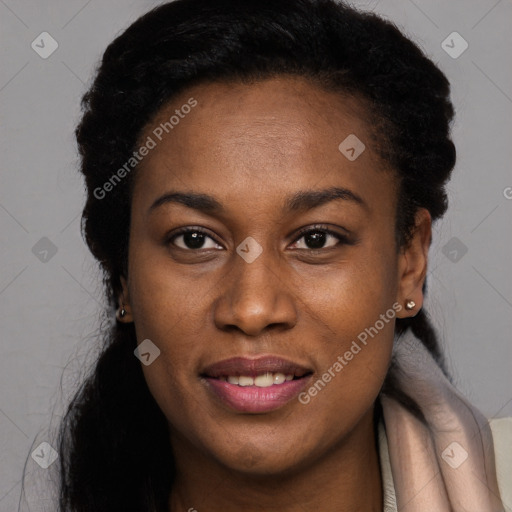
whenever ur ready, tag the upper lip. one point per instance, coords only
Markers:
(254, 367)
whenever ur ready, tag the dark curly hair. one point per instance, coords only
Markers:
(104, 466)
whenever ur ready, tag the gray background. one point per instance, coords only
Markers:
(50, 304)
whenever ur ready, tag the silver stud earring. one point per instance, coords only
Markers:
(410, 304)
(122, 313)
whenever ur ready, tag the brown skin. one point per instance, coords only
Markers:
(251, 147)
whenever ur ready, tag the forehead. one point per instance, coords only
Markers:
(266, 137)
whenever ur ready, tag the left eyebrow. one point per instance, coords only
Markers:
(308, 199)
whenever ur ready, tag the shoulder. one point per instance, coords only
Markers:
(502, 439)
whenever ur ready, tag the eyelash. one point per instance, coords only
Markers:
(342, 239)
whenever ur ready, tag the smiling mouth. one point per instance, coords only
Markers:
(264, 380)
(255, 385)
(262, 372)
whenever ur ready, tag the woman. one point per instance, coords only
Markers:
(262, 177)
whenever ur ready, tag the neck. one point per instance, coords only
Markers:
(347, 479)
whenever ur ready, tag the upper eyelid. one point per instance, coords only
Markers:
(320, 227)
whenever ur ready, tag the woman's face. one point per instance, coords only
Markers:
(274, 315)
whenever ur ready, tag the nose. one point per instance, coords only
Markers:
(256, 297)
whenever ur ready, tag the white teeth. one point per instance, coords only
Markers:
(264, 380)
(279, 378)
(243, 380)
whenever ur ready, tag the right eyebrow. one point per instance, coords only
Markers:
(201, 202)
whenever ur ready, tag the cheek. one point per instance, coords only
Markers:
(165, 301)
(352, 296)
(355, 311)
(352, 361)
(167, 313)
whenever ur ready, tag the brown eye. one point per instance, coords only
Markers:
(319, 238)
(193, 239)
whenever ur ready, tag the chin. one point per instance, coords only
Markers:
(253, 463)
(262, 455)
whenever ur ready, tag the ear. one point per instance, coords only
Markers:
(124, 303)
(412, 265)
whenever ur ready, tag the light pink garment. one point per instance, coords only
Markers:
(447, 465)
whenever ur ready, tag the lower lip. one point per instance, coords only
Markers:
(254, 399)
